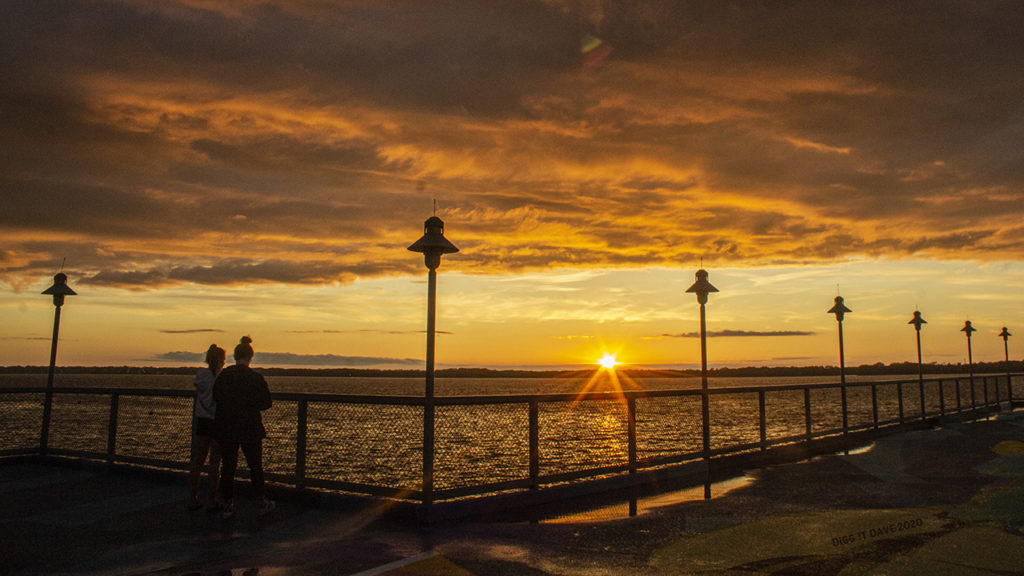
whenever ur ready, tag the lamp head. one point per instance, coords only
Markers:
(968, 328)
(433, 243)
(1005, 333)
(702, 287)
(917, 321)
(60, 289)
(839, 309)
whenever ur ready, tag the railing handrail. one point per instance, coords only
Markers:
(466, 399)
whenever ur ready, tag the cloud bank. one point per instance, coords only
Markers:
(739, 334)
(289, 359)
(167, 142)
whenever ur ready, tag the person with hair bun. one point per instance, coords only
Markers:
(203, 411)
(241, 395)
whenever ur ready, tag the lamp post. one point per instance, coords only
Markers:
(1005, 335)
(59, 290)
(840, 310)
(432, 245)
(917, 321)
(967, 329)
(702, 288)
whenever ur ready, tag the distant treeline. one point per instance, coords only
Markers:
(750, 371)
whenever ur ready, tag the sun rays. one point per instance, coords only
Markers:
(597, 384)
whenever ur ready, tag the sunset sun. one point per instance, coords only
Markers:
(608, 361)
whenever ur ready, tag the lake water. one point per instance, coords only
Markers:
(414, 386)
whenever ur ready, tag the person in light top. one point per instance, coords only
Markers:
(241, 395)
(204, 411)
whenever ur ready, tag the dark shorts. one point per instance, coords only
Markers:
(205, 427)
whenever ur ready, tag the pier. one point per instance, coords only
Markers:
(933, 500)
(502, 451)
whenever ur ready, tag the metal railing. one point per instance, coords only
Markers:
(485, 444)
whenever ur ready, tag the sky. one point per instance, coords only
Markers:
(204, 169)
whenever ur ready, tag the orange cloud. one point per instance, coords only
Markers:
(236, 142)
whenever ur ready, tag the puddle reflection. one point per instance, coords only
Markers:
(639, 506)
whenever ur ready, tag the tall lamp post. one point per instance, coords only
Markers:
(1005, 335)
(840, 310)
(432, 245)
(917, 321)
(702, 288)
(59, 290)
(968, 329)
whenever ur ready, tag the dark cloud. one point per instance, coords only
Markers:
(365, 331)
(229, 272)
(289, 359)
(739, 334)
(192, 331)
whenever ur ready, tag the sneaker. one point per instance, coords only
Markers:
(266, 507)
(229, 509)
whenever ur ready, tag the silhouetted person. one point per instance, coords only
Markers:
(241, 395)
(205, 431)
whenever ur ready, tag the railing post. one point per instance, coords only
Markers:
(534, 444)
(974, 401)
(807, 413)
(846, 428)
(1009, 390)
(302, 417)
(995, 388)
(874, 404)
(920, 384)
(957, 381)
(631, 432)
(115, 400)
(984, 391)
(942, 399)
(763, 424)
(899, 399)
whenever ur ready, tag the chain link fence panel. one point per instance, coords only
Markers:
(577, 436)
(481, 444)
(154, 427)
(373, 444)
(79, 422)
(21, 420)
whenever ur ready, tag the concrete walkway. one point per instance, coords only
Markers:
(944, 501)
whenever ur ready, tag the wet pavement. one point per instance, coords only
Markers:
(948, 500)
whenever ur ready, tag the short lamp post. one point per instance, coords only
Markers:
(917, 321)
(59, 290)
(702, 288)
(1005, 335)
(840, 310)
(968, 329)
(432, 245)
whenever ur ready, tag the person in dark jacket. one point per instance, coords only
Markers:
(241, 395)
